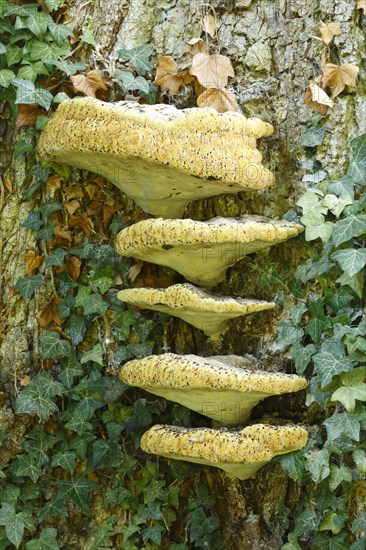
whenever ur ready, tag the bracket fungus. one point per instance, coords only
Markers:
(160, 156)
(202, 251)
(241, 454)
(225, 388)
(195, 306)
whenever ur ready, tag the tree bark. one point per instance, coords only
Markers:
(274, 54)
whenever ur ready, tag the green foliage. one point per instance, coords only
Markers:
(331, 348)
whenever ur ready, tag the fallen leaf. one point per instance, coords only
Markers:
(110, 207)
(72, 266)
(54, 182)
(317, 99)
(32, 260)
(329, 31)
(28, 115)
(95, 209)
(7, 184)
(84, 222)
(212, 71)
(91, 189)
(361, 5)
(219, 99)
(197, 46)
(50, 314)
(63, 233)
(168, 77)
(337, 78)
(209, 24)
(89, 84)
(73, 192)
(71, 206)
(134, 271)
(25, 380)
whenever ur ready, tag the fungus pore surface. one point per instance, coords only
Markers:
(241, 453)
(195, 306)
(225, 388)
(158, 155)
(202, 251)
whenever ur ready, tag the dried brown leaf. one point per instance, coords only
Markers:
(72, 266)
(84, 222)
(317, 99)
(168, 77)
(54, 182)
(337, 78)
(212, 71)
(197, 46)
(219, 99)
(209, 24)
(28, 115)
(73, 192)
(62, 233)
(329, 31)
(71, 206)
(134, 271)
(361, 5)
(8, 184)
(32, 260)
(50, 314)
(89, 84)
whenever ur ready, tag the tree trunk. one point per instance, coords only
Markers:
(274, 53)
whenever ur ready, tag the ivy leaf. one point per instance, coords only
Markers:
(15, 523)
(38, 443)
(343, 424)
(95, 354)
(33, 221)
(76, 329)
(359, 544)
(359, 524)
(91, 303)
(130, 82)
(338, 475)
(54, 507)
(357, 169)
(138, 57)
(37, 396)
(101, 452)
(26, 286)
(351, 260)
(79, 423)
(6, 76)
(65, 459)
(305, 523)
(292, 543)
(48, 208)
(53, 346)
(37, 23)
(70, 368)
(56, 257)
(317, 463)
(25, 465)
(301, 356)
(352, 226)
(313, 136)
(288, 333)
(325, 542)
(80, 444)
(47, 541)
(355, 282)
(153, 533)
(76, 490)
(319, 321)
(328, 364)
(293, 464)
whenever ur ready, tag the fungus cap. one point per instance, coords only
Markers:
(158, 155)
(202, 251)
(195, 306)
(225, 388)
(241, 453)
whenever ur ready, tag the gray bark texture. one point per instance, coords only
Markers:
(274, 54)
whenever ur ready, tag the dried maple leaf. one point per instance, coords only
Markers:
(84, 222)
(168, 77)
(361, 5)
(209, 24)
(71, 206)
(50, 314)
(72, 266)
(317, 99)
(32, 260)
(219, 99)
(89, 83)
(212, 71)
(197, 46)
(28, 115)
(337, 78)
(329, 31)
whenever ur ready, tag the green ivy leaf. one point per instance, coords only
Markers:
(38, 443)
(53, 346)
(357, 169)
(77, 490)
(325, 542)
(96, 354)
(101, 537)
(351, 260)
(338, 475)
(288, 333)
(359, 524)
(37, 396)
(54, 507)
(359, 544)
(25, 465)
(59, 33)
(80, 444)
(352, 226)
(26, 286)
(37, 23)
(355, 282)
(56, 257)
(292, 543)
(22, 147)
(70, 369)
(79, 423)
(343, 424)
(301, 356)
(138, 57)
(6, 76)
(91, 303)
(76, 329)
(15, 523)
(153, 533)
(47, 541)
(317, 463)
(49, 208)
(87, 37)
(319, 322)
(45, 234)
(328, 364)
(129, 82)
(65, 459)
